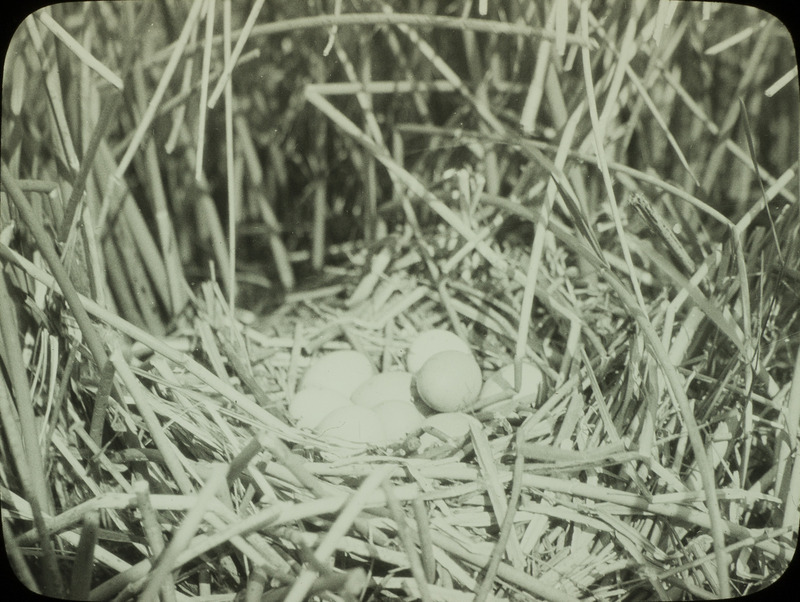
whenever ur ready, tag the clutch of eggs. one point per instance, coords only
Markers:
(342, 399)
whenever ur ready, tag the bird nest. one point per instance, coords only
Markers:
(591, 490)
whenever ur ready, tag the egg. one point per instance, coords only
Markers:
(454, 425)
(399, 419)
(341, 371)
(352, 424)
(386, 386)
(449, 381)
(311, 405)
(502, 381)
(430, 342)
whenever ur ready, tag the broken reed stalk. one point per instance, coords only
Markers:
(152, 532)
(83, 564)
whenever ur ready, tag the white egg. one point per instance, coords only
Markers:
(386, 386)
(502, 381)
(341, 371)
(352, 424)
(449, 381)
(453, 425)
(309, 406)
(431, 342)
(399, 419)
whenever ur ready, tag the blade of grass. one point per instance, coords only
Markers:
(109, 111)
(752, 149)
(599, 133)
(414, 19)
(533, 98)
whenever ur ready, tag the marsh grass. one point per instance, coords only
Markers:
(199, 198)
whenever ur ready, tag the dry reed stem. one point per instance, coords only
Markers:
(256, 581)
(233, 56)
(16, 559)
(83, 565)
(152, 531)
(63, 144)
(204, 80)
(327, 546)
(169, 70)
(34, 487)
(392, 18)
(183, 535)
(414, 559)
(223, 388)
(781, 82)
(144, 402)
(233, 203)
(489, 471)
(86, 57)
(506, 527)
